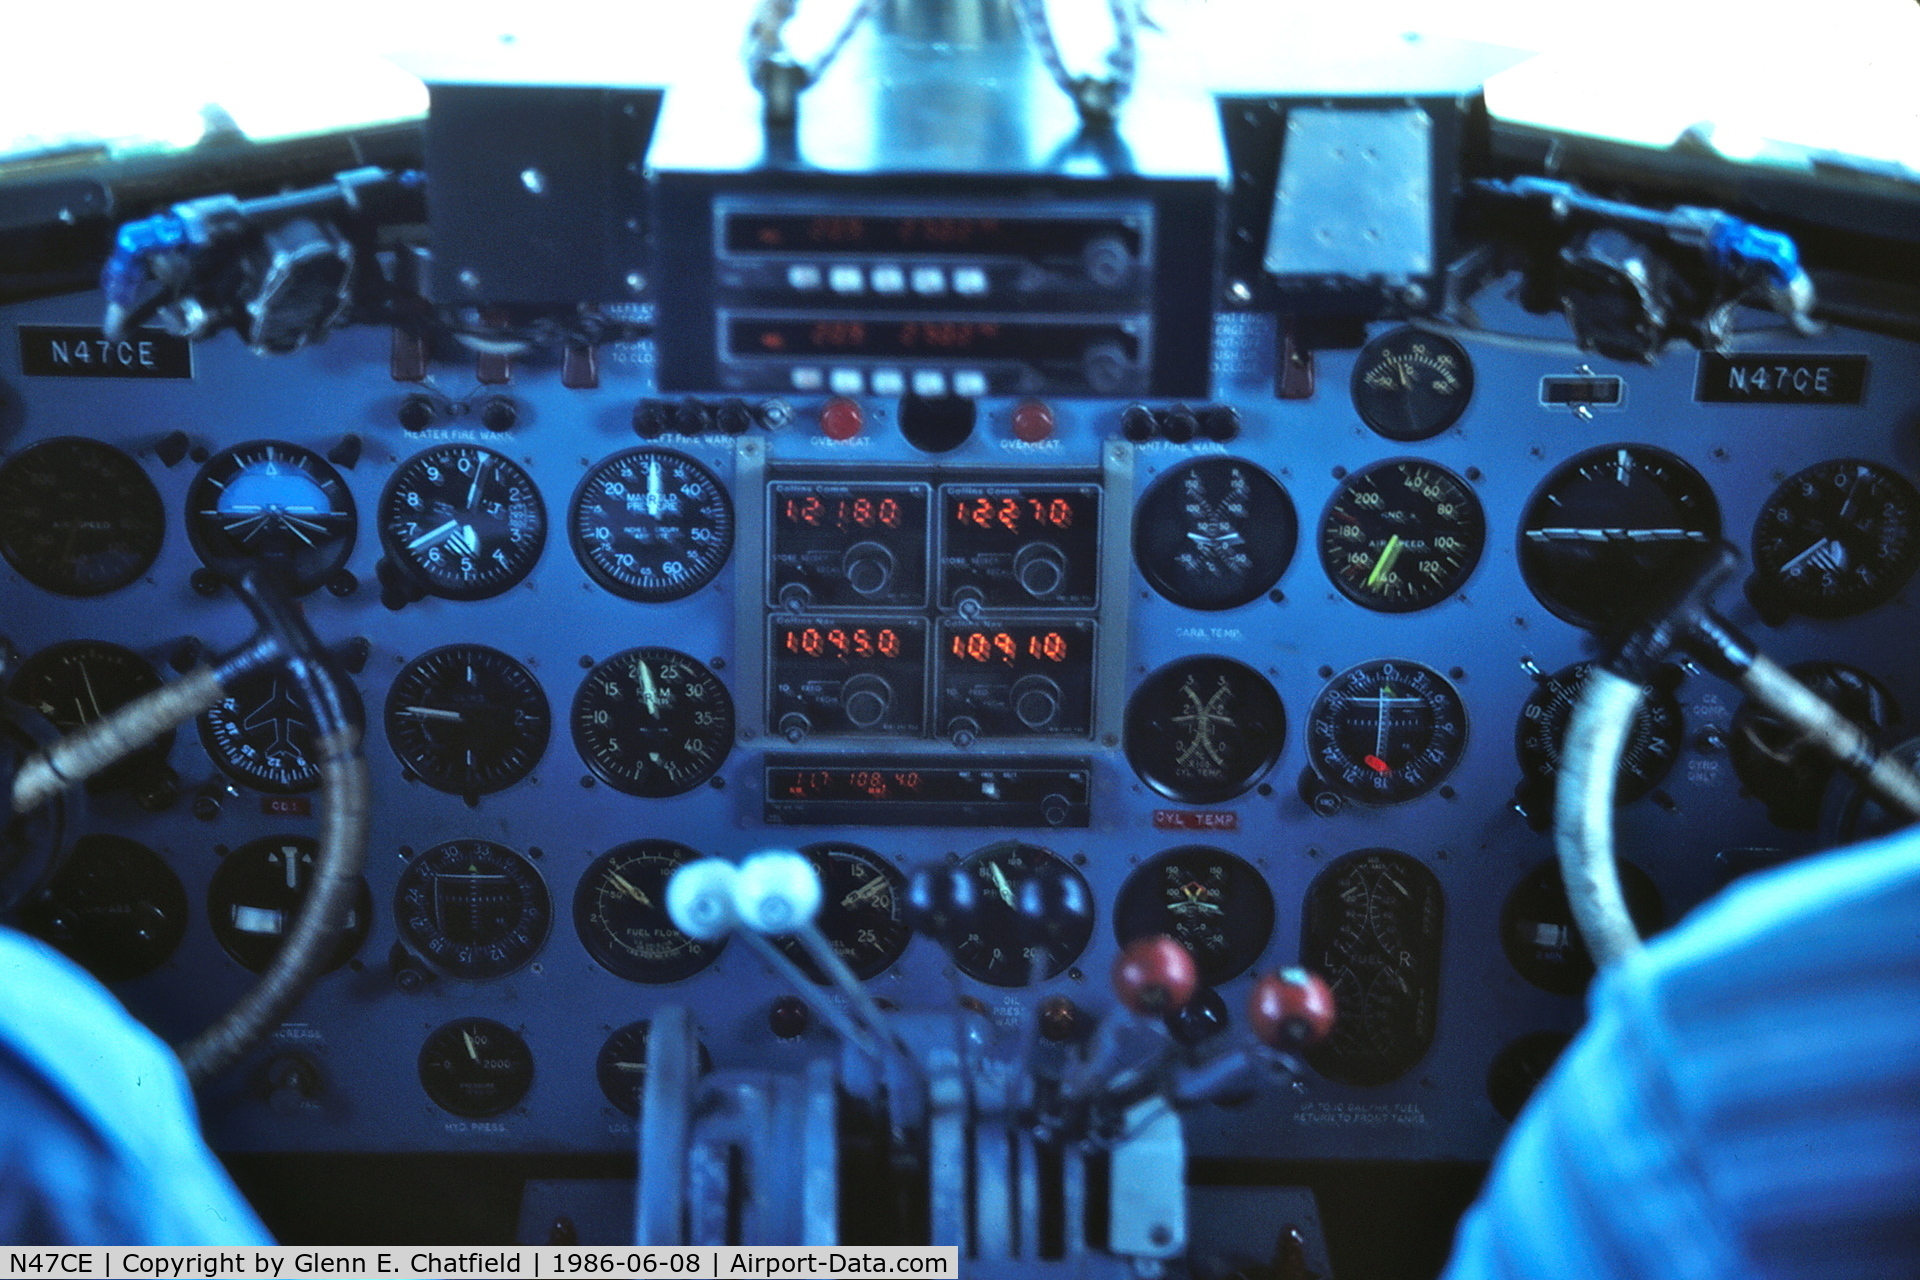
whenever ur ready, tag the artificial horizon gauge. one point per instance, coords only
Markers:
(255, 892)
(1602, 535)
(467, 719)
(114, 907)
(1033, 919)
(462, 522)
(270, 500)
(1214, 533)
(472, 909)
(620, 911)
(621, 1066)
(1834, 540)
(261, 734)
(1212, 903)
(1653, 741)
(77, 682)
(476, 1067)
(1386, 731)
(652, 722)
(1402, 535)
(1411, 384)
(78, 517)
(1204, 729)
(651, 525)
(859, 911)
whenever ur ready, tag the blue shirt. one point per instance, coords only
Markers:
(99, 1142)
(1744, 1101)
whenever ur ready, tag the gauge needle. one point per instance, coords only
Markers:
(1560, 533)
(473, 1050)
(1825, 554)
(473, 493)
(656, 491)
(647, 689)
(1377, 761)
(870, 892)
(1000, 884)
(1388, 555)
(625, 886)
(431, 713)
(434, 537)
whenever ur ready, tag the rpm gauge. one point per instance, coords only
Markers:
(1386, 731)
(78, 517)
(651, 525)
(467, 719)
(269, 500)
(1212, 903)
(620, 910)
(1214, 533)
(1402, 535)
(652, 722)
(1834, 540)
(1411, 384)
(472, 908)
(1204, 729)
(860, 912)
(462, 522)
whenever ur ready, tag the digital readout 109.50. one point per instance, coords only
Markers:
(844, 643)
(1013, 514)
(1005, 646)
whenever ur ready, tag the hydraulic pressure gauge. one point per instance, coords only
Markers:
(651, 525)
(1834, 540)
(472, 908)
(1410, 384)
(269, 500)
(78, 517)
(652, 722)
(467, 719)
(1386, 731)
(1209, 901)
(476, 1067)
(1214, 533)
(620, 910)
(859, 912)
(1402, 535)
(1202, 730)
(462, 522)
(257, 889)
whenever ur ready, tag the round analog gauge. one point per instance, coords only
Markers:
(1033, 919)
(1834, 540)
(1519, 1068)
(1653, 743)
(1540, 937)
(1410, 384)
(1204, 729)
(859, 910)
(1402, 535)
(1601, 536)
(476, 1067)
(473, 908)
(467, 719)
(652, 525)
(652, 722)
(261, 735)
(1386, 731)
(78, 517)
(1372, 928)
(75, 683)
(1212, 903)
(1214, 533)
(114, 907)
(1780, 767)
(621, 1066)
(620, 910)
(271, 500)
(463, 522)
(256, 892)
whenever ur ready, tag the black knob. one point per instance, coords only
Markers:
(1036, 701)
(734, 417)
(417, 413)
(794, 727)
(866, 699)
(652, 419)
(1053, 903)
(1040, 569)
(1107, 261)
(1137, 423)
(868, 567)
(1220, 422)
(1179, 425)
(498, 414)
(1204, 1017)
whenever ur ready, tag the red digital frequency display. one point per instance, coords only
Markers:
(1017, 516)
(863, 510)
(842, 643)
(1011, 647)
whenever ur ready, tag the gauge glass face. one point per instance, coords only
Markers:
(472, 908)
(620, 910)
(1836, 539)
(1212, 903)
(1386, 731)
(1215, 533)
(651, 525)
(258, 888)
(1411, 385)
(76, 683)
(621, 1066)
(1653, 743)
(261, 735)
(467, 719)
(276, 501)
(463, 522)
(652, 722)
(859, 912)
(1204, 729)
(1519, 1068)
(1780, 767)
(78, 517)
(1402, 535)
(1372, 930)
(114, 907)
(476, 1067)
(1011, 948)
(1602, 537)
(1539, 935)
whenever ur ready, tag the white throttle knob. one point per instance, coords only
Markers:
(700, 899)
(776, 892)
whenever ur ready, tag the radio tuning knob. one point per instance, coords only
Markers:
(1036, 700)
(866, 698)
(868, 567)
(1040, 569)
(794, 727)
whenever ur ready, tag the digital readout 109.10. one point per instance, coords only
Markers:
(1005, 646)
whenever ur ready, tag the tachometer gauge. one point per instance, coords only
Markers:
(114, 907)
(462, 522)
(1372, 930)
(1402, 535)
(476, 1067)
(1386, 731)
(255, 892)
(1204, 729)
(261, 735)
(620, 910)
(77, 682)
(652, 722)
(1209, 901)
(271, 500)
(472, 908)
(1603, 533)
(78, 517)
(1034, 917)
(1411, 385)
(859, 912)
(467, 719)
(1214, 533)
(1653, 743)
(1834, 540)
(651, 525)
(621, 1066)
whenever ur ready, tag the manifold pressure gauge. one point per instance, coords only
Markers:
(1402, 535)
(651, 525)
(467, 719)
(1386, 731)
(462, 522)
(269, 500)
(1834, 540)
(652, 722)
(1410, 384)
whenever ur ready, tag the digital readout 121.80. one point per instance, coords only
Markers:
(842, 513)
(1005, 646)
(1013, 514)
